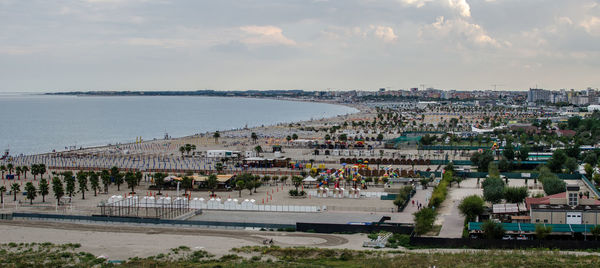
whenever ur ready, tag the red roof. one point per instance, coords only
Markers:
(546, 199)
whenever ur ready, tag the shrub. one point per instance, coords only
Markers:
(471, 206)
(424, 220)
(441, 190)
(492, 230)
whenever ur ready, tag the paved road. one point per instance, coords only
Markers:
(452, 220)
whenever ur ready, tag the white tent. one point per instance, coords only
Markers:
(309, 179)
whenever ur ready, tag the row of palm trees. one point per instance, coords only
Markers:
(71, 183)
(36, 169)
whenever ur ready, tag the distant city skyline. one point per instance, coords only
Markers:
(139, 45)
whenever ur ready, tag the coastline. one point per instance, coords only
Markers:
(360, 110)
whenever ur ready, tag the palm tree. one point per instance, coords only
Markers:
(297, 181)
(31, 192)
(254, 137)
(3, 169)
(57, 187)
(258, 150)
(94, 182)
(15, 188)
(217, 135)
(131, 181)
(18, 171)
(82, 179)
(34, 170)
(182, 150)
(10, 168)
(24, 169)
(159, 181)
(239, 185)
(44, 189)
(2, 191)
(211, 183)
(105, 176)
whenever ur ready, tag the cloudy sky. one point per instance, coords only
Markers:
(297, 44)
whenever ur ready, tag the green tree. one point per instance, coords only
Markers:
(542, 231)
(131, 181)
(589, 170)
(557, 161)
(590, 158)
(254, 137)
(212, 183)
(571, 165)
(94, 182)
(524, 153)
(239, 186)
(515, 194)
(258, 150)
(217, 135)
(31, 192)
(2, 191)
(492, 230)
(509, 152)
(10, 168)
(15, 188)
(595, 230)
(424, 220)
(493, 189)
(69, 183)
(482, 160)
(471, 206)
(182, 150)
(105, 176)
(551, 183)
(294, 136)
(159, 181)
(44, 189)
(25, 169)
(118, 177)
(82, 180)
(219, 167)
(57, 188)
(297, 181)
(249, 185)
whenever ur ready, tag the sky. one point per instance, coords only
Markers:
(66, 45)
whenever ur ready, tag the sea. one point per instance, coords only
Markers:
(31, 124)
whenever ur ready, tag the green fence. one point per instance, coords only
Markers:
(510, 175)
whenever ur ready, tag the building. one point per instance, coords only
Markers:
(538, 95)
(570, 207)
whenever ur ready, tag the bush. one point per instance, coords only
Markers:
(424, 220)
(493, 189)
(294, 192)
(515, 194)
(552, 184)
(492, 230)
(471, 206)
(403, 196)
(441, 190)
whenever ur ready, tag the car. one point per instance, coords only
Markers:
(508, 237)
(522, 237)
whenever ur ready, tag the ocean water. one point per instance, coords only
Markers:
(39, 123)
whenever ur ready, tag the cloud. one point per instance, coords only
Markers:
(591, 25)
(158, 42)
(265, 35)
(462, 6)
(18, 50)
(385, 33)
(416, 3)
(458, 30)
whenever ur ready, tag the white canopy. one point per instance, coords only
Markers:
(309, 179)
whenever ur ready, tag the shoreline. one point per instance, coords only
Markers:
(360, 109)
